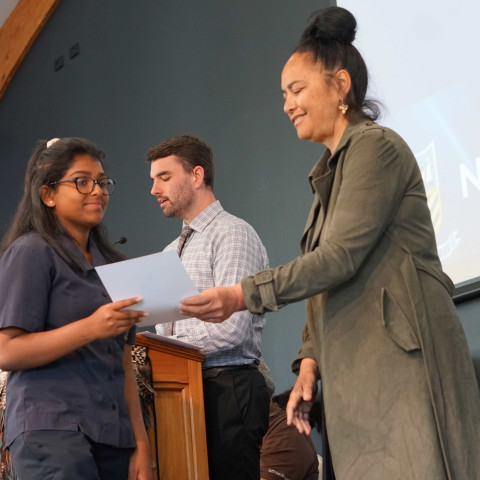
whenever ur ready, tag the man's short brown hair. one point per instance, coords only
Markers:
(192, 152)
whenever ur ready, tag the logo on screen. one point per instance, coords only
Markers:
(427, 161)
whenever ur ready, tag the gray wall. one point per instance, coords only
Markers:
(151, 69)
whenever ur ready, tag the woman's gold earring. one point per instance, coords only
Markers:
(343, 107)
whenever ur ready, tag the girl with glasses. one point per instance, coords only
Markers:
(73, 409)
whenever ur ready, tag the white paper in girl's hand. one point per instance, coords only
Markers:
(160, 279)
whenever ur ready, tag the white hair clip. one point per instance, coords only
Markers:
(52, 141)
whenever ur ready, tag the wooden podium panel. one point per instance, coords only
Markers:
(180, 441)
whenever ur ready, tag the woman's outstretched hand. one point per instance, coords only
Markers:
(302, 396)
(214, 304)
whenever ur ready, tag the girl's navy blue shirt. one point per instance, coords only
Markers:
(83, 390)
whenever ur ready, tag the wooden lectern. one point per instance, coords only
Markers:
(178, 437)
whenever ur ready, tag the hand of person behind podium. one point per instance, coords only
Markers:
(214, 304)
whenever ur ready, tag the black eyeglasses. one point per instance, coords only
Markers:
(86, 185)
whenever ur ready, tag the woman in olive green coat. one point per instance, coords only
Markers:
(382, 334)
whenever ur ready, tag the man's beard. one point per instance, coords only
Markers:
(180, 206)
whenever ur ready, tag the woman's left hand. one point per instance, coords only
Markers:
(214, 304)
(302, 396)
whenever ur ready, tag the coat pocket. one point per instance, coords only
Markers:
(396, 323)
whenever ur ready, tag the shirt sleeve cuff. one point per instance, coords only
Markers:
(305, 352)
(259, 293)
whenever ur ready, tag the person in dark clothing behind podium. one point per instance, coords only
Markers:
(286, 453)
(216, 249)
(73, 411)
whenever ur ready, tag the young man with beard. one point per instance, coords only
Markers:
(217, 249)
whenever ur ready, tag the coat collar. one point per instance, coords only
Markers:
(321, 180)
(325, 167)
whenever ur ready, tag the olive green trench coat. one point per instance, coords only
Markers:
(400, 395)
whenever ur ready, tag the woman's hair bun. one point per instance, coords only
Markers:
(332, 24)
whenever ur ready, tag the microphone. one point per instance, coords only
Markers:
(120, 241)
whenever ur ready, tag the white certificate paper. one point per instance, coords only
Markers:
(160, 279)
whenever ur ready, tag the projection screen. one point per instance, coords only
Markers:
(423, 67)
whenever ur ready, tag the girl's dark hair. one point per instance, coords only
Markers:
(328, 36)
(46, 166)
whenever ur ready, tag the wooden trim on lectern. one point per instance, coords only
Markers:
(18, 34)
(177, 350)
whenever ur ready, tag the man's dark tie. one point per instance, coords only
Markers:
(186, 232)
